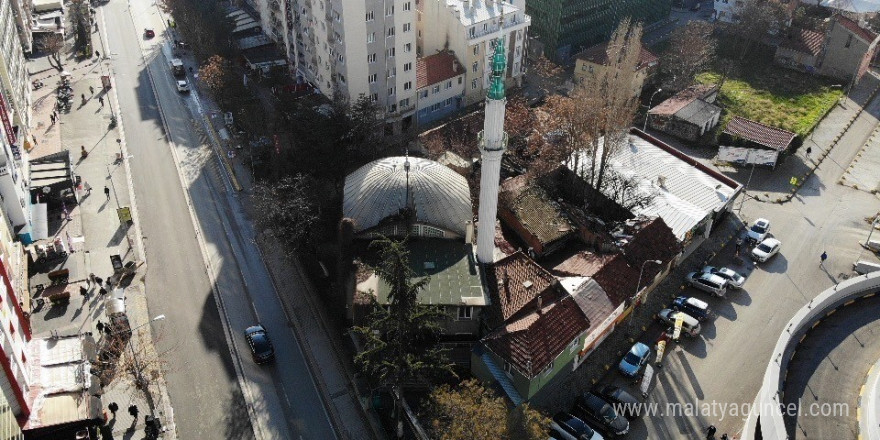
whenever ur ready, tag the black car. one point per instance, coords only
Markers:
(260, 344)
(569, 427)
(692, 307)
(623, 402)
(600, 415)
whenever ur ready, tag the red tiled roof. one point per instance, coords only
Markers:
(436, 68)
(854, 27)
(531, 342)
(654, 240)
(515, 282)
(804, 40)
(581, 264)
(598, 54)
(770, 137)
(678, 101)
(618, 279)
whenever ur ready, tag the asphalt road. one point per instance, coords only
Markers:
(214, 394)
(829, 368)
(725, 365)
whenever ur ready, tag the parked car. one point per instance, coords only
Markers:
(707, 282)
(260, 344)
(628, 406)
(633, 361)
(766, 249)
(692, 306)
(182, 86)
(733, 278)
(759, 230)
(569, 427)
(600, 415)
(690, 326)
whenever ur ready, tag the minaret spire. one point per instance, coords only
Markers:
(493, 142)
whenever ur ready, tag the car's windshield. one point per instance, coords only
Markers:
(760, 229)
(608, 412)
(580, 426)
(261, 344)
(631, 358)
(764, 247)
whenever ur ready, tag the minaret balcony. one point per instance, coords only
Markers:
(482, 143)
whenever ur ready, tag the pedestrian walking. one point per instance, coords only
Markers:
(52, 118)
(113, 407)
(107, 330)
(724, 436)
(91, 90)
(710, 432)
(100, 326)
(83, 291)
(101, 100)
(91, 278)
(107, 192)
(739, 242)
(133, 410)
(98, 281)
(102, 291)
(809, 150)
(97, 54)
(87, 188)
(83, 98)
(822, 259)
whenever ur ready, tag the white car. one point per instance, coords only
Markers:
(734, 279)
(766, 249)
(182, 86)
(759, 230)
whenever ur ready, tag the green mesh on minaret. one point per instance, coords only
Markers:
(496, 89)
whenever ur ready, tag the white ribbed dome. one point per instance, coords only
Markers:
(378, 190)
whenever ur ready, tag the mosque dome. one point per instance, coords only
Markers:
(378, 190)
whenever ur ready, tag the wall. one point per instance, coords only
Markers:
(455, 92)
(840, 61)
(793, 59)
(585, 70)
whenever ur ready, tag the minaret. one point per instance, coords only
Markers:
(493, 141)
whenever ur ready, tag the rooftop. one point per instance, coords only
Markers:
(515, 282)
(452, 266)
(471, 12)
(854, 27)
(764, 135)
(686, 190)
(598, 54)
(803, 40)
(681, 99)
(378, 190)
(437, 68)
(534, 210)
(698, 112)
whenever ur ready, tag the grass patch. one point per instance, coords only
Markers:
(775, 96)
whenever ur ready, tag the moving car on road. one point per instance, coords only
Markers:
(260, 344)
(569, 427)
(182, 86)
(693, 307)
(733, 278)
(759, 230)
(626, 404)
(766, 249)
(707, 282)
(633, 361)
(600, 415)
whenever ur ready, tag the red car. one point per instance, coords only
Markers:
(149, 33)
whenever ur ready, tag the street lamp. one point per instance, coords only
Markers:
(647, 112)
(635, 297)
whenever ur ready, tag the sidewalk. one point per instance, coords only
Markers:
(95, 230)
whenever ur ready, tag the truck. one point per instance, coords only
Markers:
(177, 67)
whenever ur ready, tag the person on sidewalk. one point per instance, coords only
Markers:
(100, 327)
(84, 292)
(52, 118)
(87, 188)
(91, 90)
(101, 100)
(97, 54)
(822, 259)
(113, 407)
(133, 410)
(84, 99)
(106, 193)
(710, 432)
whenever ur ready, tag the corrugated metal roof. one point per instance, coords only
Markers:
(378, 190)
(698, 112)
(688, 194)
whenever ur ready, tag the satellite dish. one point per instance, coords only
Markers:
(47, 189)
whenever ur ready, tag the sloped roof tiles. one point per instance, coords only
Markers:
(765, 135)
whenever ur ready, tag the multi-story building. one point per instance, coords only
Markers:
(566, 27)
(469, 29)
(15, 333)
(351, 48)
(15, 104)
(441, 86)
(20, 21)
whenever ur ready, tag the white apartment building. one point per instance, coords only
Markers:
(469, 29)
(353, 48)
(15, 111)
(15, 332)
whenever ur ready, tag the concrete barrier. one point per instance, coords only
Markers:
(770, 397)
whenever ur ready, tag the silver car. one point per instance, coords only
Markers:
(707, 282)
(734, 279)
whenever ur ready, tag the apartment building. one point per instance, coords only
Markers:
(352, 48)
(15, 332)
(469, 29)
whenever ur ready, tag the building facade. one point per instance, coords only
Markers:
(15, 105)
(593, 62)
(15, 332)
(566, 27)
(469, 29)
(441, 86)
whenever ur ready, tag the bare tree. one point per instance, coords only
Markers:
(627, 190)
(756, 19)
(52, 44)
(691, 50)
(142, 362)
(594, 124)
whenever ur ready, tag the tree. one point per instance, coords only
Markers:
(216, 73)
(691, 50)
(755, 19)
(52, 44)
(285, 210)
(471, 411)
(202, 24)
(363, 139)
(81, 21)
(401, 340)
(594, 123)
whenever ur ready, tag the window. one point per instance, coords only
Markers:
(435, 107)
(389, 52)
(472, 32)
(374, 97)
(508, 369)
(341, 59)
(372, 78)
(549, 369)
(459, 80)
(23, 358)
(473, 84)
(475, 67)
(516, 52)
(404, 103)
(407, 6)
(435, 89)
(449, 101)
(392, 108)
(476, 49)
(485, 27)
(448, 84)
(342, 78)
(574, 345)
(407, 47)
(423, 94)
(407, 27)
(389, 11)
(371, 58)
(407, 67)
(465, 312)
(390, 91)
(390, 32)
(371, 38)
(848, 41)
(391, 73)
(370, 16)
(407, 85)
(11, 328)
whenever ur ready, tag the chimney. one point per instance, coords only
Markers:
(469, 232)
(540, 304)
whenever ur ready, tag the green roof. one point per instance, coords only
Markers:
(452, 266)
